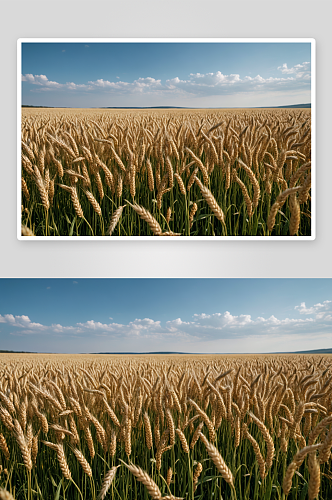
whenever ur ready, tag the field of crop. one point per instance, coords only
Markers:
(188, 426)
(166, 172)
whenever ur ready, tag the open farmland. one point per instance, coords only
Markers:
(166, 172)
(249, 427)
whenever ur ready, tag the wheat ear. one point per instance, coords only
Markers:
(325, 451)
(108, 478)
(255, 445)
(268, 439)
(183, 440)
(63, 462)
(115, 219)
(200, 165)
(25, 231)
(314, 479)
(211, 201)
(41, 188)
(94, 202)
(74, 199)
(76, 202)
(197, 473)
(83, 462)
(148, 432)
(278, 204)
(208, 423)
(169, 476)
(4, 447)
(170, 497)
(245, 193)
(5, 495)
(295, 464)
(144, 478)
(192, 212)
(254, 181)
(145, 215)
(294, 222)
(26, 453)
(218, 461)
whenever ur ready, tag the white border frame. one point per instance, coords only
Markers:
(312, 41)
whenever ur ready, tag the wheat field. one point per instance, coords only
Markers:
(166, 172)
(250, 427)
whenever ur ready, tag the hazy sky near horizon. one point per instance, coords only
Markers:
(187, 315)
(209, 74)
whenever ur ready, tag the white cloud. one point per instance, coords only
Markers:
(227, 326)
(29, 327)
(21, 322)
(140, 85)
(140, 327)
(299, 70)
(292, 79)
(200, 328)
(43, 82)
(220, 84)
(318, 309)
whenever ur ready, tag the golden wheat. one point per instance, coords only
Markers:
(78, 163)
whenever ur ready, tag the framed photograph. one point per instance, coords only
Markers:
(145, 138)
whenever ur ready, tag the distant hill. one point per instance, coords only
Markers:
(308, 105)
(314, 351)
(110, 107)
(17, 352)
(28, 106)
(144, 107)
(159, 352)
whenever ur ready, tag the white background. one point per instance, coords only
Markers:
(159, 18)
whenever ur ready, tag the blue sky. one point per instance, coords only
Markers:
(187, 315)
(165, 74)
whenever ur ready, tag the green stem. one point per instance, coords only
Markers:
(89, 226)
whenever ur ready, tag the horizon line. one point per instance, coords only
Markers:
(122, 353)
(304, 105)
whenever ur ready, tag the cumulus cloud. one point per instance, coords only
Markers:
(296, 78)
(220, 84)
(226, 325)
(45, 84)
(318, 309)
(21, 322)
(299, 70)
(141, 85)
(27, 326)
(142, 328)
(201, 327)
